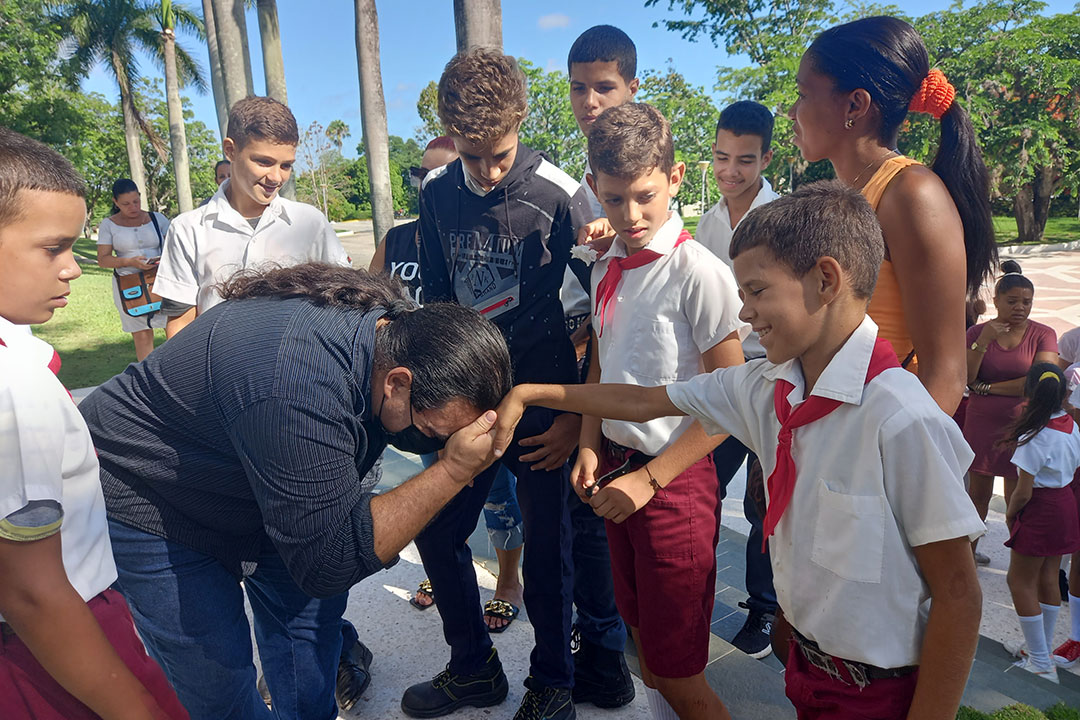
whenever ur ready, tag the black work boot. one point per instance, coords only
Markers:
(447, 692)
(545, 703)
(601, 676)
(353, 675)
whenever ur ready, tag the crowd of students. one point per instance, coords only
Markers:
(817, 336)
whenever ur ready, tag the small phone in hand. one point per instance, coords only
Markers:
(626, 468)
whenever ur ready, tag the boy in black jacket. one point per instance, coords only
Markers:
(497, 227)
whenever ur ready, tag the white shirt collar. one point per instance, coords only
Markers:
(220, 209)
(20, 339)
(764, 194)
(663, 241)
(844, 378)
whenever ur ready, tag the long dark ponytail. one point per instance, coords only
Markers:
(886, 57)
(1045, 390)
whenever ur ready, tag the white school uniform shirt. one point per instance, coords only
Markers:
(877, 476)
(207, 245)
(129, 242)
(47, 459)
(663, 316)
(1051, 456)
(714, 231)
(575, 300)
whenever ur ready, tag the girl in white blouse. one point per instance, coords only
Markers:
(129, 241)
(1042, 515)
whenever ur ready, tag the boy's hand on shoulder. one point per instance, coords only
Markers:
(583, 475)
(555, 444)
(623, 496)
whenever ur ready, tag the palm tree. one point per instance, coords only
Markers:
(273, 64)
(217, 80)
(478, 23)
(373, 117)
(169, 17)
(336, 132)
(109, 32)
(231, 26)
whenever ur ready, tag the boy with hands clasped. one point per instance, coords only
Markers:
(866, 511)
(665, 309)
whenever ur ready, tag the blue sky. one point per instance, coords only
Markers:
(417, 38)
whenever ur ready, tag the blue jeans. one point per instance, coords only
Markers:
(547, 564)
(728, 457)
(502, 515)
(189, 611)
(598, 619)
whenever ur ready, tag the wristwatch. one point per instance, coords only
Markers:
(976, 348)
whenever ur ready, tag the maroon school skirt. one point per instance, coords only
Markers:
(1048, 525)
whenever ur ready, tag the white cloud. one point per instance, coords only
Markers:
(552, 21)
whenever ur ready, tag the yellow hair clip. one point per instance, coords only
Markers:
(1048, 374)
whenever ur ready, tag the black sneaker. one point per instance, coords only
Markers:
(755, 637)
(353, 675)
(545, 703)
(600, 675)
(445, 692)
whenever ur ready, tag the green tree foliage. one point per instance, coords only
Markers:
(1019, 74)
(692, 116)
(550, 126)
(427, 107)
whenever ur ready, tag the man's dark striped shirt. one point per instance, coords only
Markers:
(251, 425)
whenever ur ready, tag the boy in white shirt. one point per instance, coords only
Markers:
(246, 223)
(741, 152)
(665, 309)
(68, 647)
(865, 492)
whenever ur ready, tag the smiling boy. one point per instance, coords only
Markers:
(246, 223)
(865, 497)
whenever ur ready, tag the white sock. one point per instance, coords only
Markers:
(1050, 616)
(1035, 635)
(658, 706)
(1074, 615)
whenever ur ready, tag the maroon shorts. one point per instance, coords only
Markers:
(817, 695)
(1048, 525)
(663, 559)
(28, 691)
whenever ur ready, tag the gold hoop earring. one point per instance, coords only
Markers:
(849, 123)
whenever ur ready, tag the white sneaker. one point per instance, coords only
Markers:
(1045, 673)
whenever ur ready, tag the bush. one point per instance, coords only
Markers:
(1018, 712)
(967, 713)
(1061, 711)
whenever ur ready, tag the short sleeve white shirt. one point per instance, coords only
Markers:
(714, 231)
(207, 245)
(46, 454)
(129, 242)
(881, 474)
(665, 315)
(1051, 457)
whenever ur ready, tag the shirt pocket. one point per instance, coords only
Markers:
(654, 355)
(849, 536)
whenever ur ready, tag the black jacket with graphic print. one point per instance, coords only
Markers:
(505, 254)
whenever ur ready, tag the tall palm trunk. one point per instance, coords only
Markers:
(274, 66)
(478, 23)
(232, 49)
(217, 79)
(373, 112)
(177, 135)
(131, 131)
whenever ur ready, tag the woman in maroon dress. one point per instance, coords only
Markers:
(1000, 353)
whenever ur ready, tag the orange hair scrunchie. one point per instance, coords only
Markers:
(934, 96)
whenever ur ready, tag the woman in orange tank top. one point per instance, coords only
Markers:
(857, 82)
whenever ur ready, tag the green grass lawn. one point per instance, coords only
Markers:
(87, 332)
